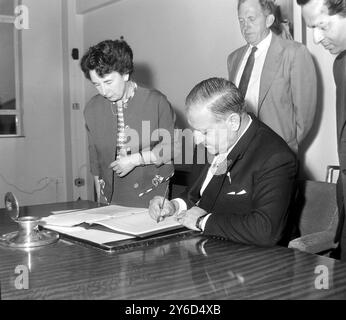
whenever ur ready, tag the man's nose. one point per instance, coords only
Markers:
(245, 26)
(318, 35)
(102, 89)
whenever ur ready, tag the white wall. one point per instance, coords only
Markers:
(83, 6)
(25, 161)
(176, 43)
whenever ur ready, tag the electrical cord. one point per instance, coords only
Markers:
(47, 179)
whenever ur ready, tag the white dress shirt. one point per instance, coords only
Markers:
(252, 93)
(218, 159)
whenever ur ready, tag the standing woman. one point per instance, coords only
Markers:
(130, 129)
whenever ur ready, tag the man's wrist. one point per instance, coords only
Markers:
(141, 159)
(137, 159)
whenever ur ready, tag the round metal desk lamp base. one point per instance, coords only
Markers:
(28, 236)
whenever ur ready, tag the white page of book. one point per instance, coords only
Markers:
(139, 224)
(68, 211)
(74, 218)
(96, 236)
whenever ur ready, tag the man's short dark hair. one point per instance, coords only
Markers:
(266, 5)
(334, 6)
(106, 57)
(221, 96)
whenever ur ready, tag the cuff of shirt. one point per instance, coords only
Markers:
(204, 221)
(182, 205)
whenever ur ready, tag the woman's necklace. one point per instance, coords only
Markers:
(130, 92)
(113, 104)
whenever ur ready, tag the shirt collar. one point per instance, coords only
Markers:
(130, 91)
(222, 156)
(264, 44)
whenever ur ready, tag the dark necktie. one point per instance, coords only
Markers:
(245, 78)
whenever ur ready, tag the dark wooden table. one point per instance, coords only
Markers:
(193, 267)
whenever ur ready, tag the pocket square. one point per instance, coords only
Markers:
(233, 193)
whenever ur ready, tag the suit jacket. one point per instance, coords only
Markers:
(249, 201)
(287, 97)
(339, 69)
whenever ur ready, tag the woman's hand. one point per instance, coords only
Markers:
(126, 163)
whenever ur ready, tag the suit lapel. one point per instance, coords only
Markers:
(270, 68)
(196, 187)
(237, 62)
(199, 174)
(213, 189)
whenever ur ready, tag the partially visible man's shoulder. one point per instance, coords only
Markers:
(271, 142)
(293, 46)
(339, 68)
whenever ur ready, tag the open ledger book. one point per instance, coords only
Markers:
(121, 223)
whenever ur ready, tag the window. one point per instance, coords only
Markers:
(10, 88)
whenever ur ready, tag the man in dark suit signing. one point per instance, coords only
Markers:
(244, 193)
(276, 76)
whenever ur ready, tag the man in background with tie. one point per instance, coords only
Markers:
(276, 76)
(244, 193)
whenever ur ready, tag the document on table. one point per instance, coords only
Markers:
(125, 221)
(96, 236)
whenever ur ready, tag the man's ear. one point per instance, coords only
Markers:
(270, 20)
(233, 121)
(126, 77)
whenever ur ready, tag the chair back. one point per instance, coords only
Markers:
(319, 210)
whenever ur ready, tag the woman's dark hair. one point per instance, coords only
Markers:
(106, 57)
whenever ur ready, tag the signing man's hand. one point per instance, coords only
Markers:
(157, 212)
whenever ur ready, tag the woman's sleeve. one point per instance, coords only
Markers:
(168, 146)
